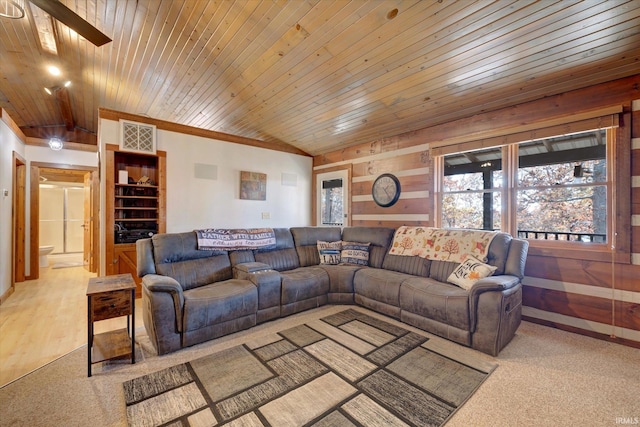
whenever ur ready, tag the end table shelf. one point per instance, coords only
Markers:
(110, 297)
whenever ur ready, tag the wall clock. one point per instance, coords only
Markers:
(386, 190)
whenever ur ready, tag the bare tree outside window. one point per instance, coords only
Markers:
(561, 188)
(331, 202)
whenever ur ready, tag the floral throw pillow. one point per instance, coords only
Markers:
(355, 253)
(329, 252)
(469, 272)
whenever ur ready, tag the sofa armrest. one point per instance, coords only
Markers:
(155, 283)
(267, 280)
(249, 267)
(503, 284)
(494, 283)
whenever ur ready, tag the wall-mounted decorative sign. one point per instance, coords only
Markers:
(253, 185)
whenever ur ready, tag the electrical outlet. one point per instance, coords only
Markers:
(266, 215)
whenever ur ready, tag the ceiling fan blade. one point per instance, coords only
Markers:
(72, 20)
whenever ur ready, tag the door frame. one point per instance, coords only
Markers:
(318, 176)
(34, 215)
(18, 224)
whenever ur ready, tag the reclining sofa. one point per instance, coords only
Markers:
(190, 295)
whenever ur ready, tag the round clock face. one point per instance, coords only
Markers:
(386, 190)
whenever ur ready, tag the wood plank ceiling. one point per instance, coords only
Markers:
(319, 75)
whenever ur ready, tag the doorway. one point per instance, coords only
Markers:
(85, 177)
(332, 198)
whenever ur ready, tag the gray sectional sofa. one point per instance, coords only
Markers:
(191, 296)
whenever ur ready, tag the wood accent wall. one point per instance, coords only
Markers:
(407, 157)
(580, 291)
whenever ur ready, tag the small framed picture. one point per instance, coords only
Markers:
(253, 185)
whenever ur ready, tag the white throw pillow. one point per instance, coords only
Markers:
(469, 272)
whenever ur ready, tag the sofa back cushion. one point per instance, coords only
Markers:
(498, 252)
(176, 255)
(306, 240)
(413, 265)
(284, 256)
(441, 270)
(379, 238)
(241, 257)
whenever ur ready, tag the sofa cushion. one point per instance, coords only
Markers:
(443, 302)
(173, 247)
(413, 265)
(176, 255)
(498, 251)
(441, 270)
(379, 285)
(219, 302)
(194, 273)
(284, 256)
(303, 283)
(340, 277)
(379, 239)
(329, 252)
(354, 253)
(306, 239)
(469, 272)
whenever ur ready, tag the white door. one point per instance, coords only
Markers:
(332, 204)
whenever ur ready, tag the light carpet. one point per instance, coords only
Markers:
(545, 377)
(347, 369)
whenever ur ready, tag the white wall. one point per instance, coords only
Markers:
(194, 203)
(9, 143)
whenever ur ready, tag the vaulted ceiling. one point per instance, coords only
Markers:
(319, 75)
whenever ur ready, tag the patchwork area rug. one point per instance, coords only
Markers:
(346, 369)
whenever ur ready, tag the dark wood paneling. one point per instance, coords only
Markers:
(627, 315)
(392, 224)
(402, 206)
(586, 272)
(635, 239)
(384, 145)
(581, 331)
(407, 183)
(635, 162)
(635, 123)
(391, 164)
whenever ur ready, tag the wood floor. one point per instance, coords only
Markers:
(45, 319)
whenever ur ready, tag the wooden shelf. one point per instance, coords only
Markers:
(111, 345)
(110, 297)
(141, 207)
(137, 197)
(136, 186)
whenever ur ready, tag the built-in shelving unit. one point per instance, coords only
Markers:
(135, 205)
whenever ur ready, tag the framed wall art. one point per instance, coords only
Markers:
(253, 185)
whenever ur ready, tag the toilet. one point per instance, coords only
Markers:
(44, 251)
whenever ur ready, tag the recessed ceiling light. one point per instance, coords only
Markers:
(67, 83)
(53, 70)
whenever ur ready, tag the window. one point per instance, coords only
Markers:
(558, 190)
(472, 190)
(562, 189)
(331, 202)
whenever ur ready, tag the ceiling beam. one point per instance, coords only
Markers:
(64, 102)
(47, 132)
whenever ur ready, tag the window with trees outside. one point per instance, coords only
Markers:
(553, 189)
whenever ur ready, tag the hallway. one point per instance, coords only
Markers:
(45, 319)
